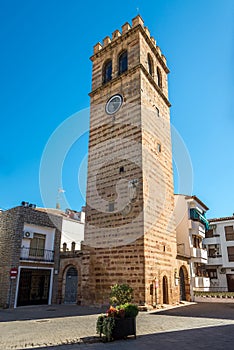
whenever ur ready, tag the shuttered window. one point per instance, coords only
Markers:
(37, 245)
(230, 253)
(229, 233)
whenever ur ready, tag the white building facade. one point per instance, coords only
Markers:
(191, 225)
(219, 242)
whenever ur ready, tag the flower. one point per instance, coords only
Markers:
(112, 312)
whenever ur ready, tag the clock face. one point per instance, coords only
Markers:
(114, 104)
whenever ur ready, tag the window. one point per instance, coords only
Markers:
(229, 233)
(212, 273)
(159, 77)
(200, 270)
(209, 233)
(213, 251)
(150, 65)
(111, 206)
(123, 62)
(107, 71)
(121, 169)
(230, 253)
(37, 245)
(159, 148)
(196, 242)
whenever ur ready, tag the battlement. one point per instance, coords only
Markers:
(136, 21)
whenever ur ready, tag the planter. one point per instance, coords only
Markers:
(124, 327)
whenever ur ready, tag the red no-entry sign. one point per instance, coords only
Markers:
(13, 272)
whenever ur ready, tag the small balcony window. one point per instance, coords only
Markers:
(229, 233)
(230, 251)
(209, 233)
(37, 245)
(212, 273)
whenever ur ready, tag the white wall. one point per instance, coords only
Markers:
(48, 231)
(182, 225)
(224, 244)
(72, 231)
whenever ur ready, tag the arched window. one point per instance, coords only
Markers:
(159, 75)
(107, 71)
(150, 65)
(123, 62)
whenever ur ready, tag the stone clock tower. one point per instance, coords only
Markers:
(130, 229)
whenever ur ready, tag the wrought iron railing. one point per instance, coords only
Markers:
(35, 254)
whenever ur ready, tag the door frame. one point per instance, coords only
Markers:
(165, 289)
(34, 268)
(65, 284)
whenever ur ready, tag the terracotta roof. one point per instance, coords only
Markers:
(221, 219)
(58, 212)
(51, 211)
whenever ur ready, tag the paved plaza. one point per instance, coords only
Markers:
(70, 327)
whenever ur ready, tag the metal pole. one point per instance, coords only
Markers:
(9, 299)
(156, 296)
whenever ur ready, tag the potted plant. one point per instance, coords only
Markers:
(120, 320)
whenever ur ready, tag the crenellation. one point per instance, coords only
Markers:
(106, 41)
(97, 48)
(116, 34)
(137, 21)
(153, 40)
(164, 59)
(147, 31)
(158, 50)
(125, 27)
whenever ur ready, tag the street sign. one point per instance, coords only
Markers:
(13, 272)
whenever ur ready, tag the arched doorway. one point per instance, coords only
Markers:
(165, 290)
(182, 285)
(70, 296)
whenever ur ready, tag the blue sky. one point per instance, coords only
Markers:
(46, 77)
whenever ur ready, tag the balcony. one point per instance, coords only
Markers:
(199, 254)
(201, 283)
(215, 260)
(211, 240)
(197, 228)
(197, 216)
(32, 254)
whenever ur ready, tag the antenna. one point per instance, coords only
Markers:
(138, 7)
(60, 190)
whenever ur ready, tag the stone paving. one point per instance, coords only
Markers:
(70, 327)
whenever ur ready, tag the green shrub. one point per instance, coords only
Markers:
(130, 310)
(121, 294)
(105, 325)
